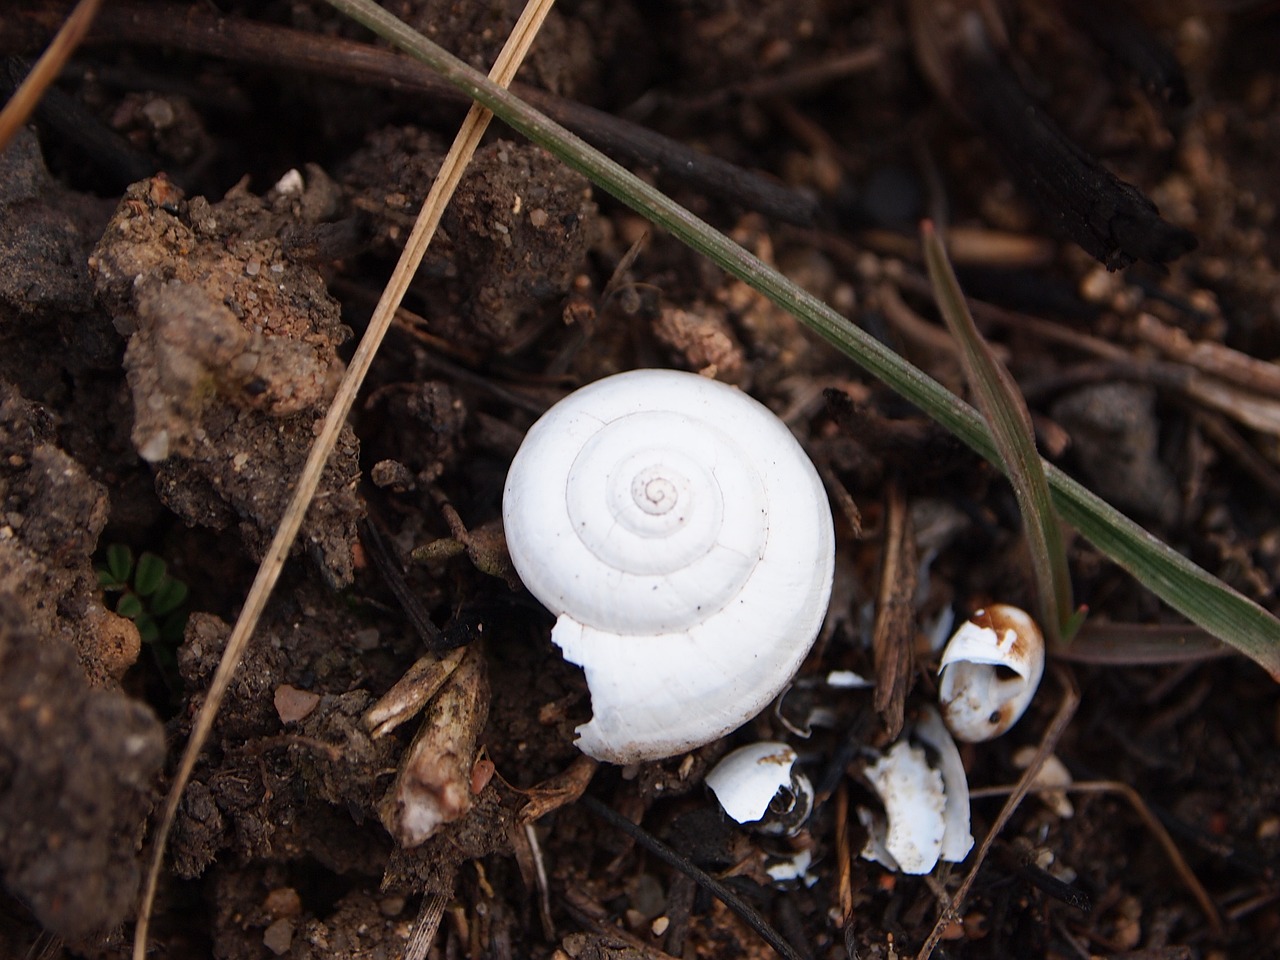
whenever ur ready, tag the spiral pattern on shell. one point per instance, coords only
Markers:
(683, 538)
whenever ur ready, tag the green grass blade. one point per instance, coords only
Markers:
(1192, 591)
(1188, 589)
(1005, 411)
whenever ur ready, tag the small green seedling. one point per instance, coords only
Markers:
(148, 595)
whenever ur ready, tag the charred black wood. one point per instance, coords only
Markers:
(74, 126)
(1117, 30)
(388, 567)
(1112, 220)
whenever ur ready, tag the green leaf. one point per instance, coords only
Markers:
(1180, 583)
(119, 562)
(168, 596)
(1007, 417)
(149, 575)
(130, 605)
(147, 628)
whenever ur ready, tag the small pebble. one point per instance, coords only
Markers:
(283, 902)
(278, 937)
(293, 704)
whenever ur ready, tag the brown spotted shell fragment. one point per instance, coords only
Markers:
(990, 670)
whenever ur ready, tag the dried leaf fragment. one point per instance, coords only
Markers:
(433, 786)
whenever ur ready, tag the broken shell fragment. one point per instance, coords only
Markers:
(913, 799)
(1052, 773)
(926, 801)
(759, 786)
(990, 671)
(957, 841)
(784, 870)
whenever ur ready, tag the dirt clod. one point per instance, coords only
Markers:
(512, 239)
(77, 770)
(231, 361)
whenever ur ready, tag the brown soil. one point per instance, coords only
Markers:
(190, 236)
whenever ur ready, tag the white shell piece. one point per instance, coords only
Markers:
(957, 841)
(913, 799)
(1052, 773)
(874, 849)
(747, 781)
(290, 184)
(978, 701)
(795, 867)
(684, 540)
(848, 680)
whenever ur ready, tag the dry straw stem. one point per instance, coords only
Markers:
(424, 931)
(451, 171)
(24, 99)
(1049, 742)
(1149, 820)
(844, 857)
(894, 630)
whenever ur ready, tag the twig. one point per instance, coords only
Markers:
(1256, 902)
(1058, 726)
(388, 566)
(894, 631)
(1149, 820)
(114, 158)
(844, 859)
(1131, 644)
(46, 70)
(246, 41)
(273, 561)
(540, 877)
(801, 80)
(424, 931)
(1245, 455)
(713, 886)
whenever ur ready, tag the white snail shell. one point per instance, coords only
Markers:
(990, 670)
(684, 541)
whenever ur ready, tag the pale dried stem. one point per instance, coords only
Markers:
(844, 858)
(451, 171)
(540, 879)
(893, 635)
(1058, 726)
(24, 99)
(424, 931)
(1149, 819)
